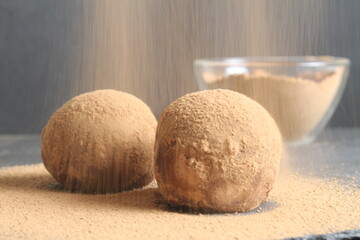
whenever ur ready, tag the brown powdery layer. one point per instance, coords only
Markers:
(33, 207)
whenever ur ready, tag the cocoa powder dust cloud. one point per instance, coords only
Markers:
(147, 48)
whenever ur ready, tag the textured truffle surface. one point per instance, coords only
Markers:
(216, 150)
(100, 142)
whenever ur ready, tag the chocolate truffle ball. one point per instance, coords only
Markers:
(216, 151)
(100, 142)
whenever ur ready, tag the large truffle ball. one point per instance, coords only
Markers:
(216, 150)
(100, 142)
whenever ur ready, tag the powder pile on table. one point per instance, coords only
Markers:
(32, 206)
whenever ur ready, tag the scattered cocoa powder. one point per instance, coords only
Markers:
(33, 207)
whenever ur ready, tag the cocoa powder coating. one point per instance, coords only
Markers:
(100, 142)
(216, 150)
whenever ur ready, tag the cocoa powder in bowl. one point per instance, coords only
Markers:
(297, 104)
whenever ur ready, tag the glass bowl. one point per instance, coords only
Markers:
(300, 93)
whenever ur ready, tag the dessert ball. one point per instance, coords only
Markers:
(216, 151)
(100, 142)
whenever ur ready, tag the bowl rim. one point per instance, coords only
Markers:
(268, 61)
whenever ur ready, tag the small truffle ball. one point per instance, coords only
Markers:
(100, 142)
(216, 151)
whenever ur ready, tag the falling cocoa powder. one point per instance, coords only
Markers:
(297, 104)
(33, 207)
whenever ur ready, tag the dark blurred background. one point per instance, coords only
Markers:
(52, 50)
